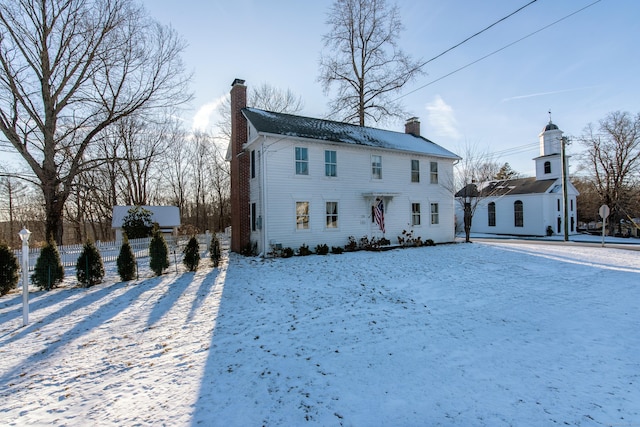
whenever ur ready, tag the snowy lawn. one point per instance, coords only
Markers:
(464, 334)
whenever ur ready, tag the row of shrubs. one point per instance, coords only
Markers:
(48, 272)
(364, 243)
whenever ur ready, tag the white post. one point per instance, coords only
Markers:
(24, 236)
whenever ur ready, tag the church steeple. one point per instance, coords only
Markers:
(548, 165)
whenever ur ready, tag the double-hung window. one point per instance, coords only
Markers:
(332, 214)
(302, 215)
(376, 167)
(415, 213)
(302, 161)
(415, 170)
(434, 172)
(330, 163)
(435, 216)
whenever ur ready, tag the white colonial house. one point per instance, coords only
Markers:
(298, 180)
(526, 206)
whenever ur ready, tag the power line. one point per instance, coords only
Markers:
(498, 50)
(476, 34)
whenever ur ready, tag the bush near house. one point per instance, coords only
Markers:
(48, 272)
(304, 250)
(287, 253)
(126, 261)
(352, 244)
(9, 268)
(191, 254)
(158, 253)
(322, 249)
(337, 250)
(89, 268)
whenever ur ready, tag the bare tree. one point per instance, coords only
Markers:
(11, 189)
(588, 202)
(612, 158)
(362, 58)
(68, 70)
(176, 168)
(221, 174)
(472, 172)
(142, 144)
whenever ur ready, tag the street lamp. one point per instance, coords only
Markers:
(24, 237)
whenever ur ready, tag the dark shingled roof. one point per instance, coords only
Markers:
(511, 186)
(326, 130)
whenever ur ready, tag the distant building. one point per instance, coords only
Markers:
(167, 217)
(299, 180)
(526, 206)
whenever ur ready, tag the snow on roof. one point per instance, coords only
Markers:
(326, 130)
(165, 216)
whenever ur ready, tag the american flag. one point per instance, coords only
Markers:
(378, 213)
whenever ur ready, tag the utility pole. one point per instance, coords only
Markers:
(563, 159)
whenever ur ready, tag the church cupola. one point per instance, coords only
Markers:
(549, 164)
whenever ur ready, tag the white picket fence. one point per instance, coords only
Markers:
(109, 251)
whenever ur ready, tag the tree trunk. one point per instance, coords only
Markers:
(54, 225)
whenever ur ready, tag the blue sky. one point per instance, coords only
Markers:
(581, 68)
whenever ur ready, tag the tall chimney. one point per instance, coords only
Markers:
(412, 126)
(240, 164)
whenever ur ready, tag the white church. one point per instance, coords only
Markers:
(527, 206)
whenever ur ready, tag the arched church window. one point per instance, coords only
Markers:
(518, 213)
(492, 214)
(547, 167)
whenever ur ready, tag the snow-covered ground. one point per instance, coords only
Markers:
(482, 334)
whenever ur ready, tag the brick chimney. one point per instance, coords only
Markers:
(240, 164)
(412, 126)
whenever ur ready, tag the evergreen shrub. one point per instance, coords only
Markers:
(214, 250)
(287, 252)
(126, 261)
(89, 267)
(48, 272)
(304, 250)
(9, 268)
(137, 223)
(191, 254)
(322, 249)
(158, 253)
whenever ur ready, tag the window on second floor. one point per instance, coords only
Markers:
(492, 214)
(253, 163)
(302, 215)
(518, 213)
(302, 161)
(434, 172)
(547, 167)
(376, 167)
(415, 170)
(330, 163)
